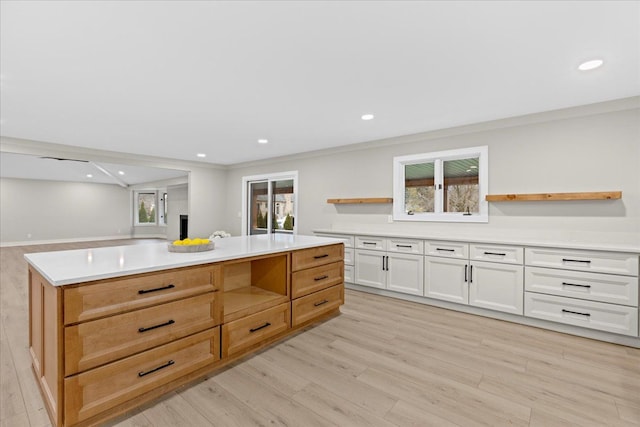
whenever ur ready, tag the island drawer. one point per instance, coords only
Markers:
(587, 314)
(107, 297)
(95, 391)
(576, 284)
(582, 260)
(447, 249)
(497, 253)
(101, 341)
(312, 306)
(242, 334)
(313, 257)
(305, 282)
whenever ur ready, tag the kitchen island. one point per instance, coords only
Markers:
(112, 328)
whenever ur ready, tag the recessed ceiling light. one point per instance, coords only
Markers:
(263, 141)
(590, 65)
(89, 175)
(367, 116)
(202, 155)
(120, 173)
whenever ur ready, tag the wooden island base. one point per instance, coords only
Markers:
(102, 348)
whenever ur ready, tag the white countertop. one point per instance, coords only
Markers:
(83, 265)
(502, 240)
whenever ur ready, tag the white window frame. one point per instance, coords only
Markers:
(399, 163)
(136, 207)
(268, 177)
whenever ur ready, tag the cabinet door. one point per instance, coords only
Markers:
(445, 279)
(405, 273)
(369, 269)
(497, 286)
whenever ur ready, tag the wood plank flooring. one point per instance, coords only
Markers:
(382, 362)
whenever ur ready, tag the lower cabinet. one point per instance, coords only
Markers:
(393, 271)
(489, 285)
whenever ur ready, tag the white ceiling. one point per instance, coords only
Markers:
(65, 169)
(176, 78)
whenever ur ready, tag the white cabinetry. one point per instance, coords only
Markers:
(393, 264)
(495, 282)
(591, 289)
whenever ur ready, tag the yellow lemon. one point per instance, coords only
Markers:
(186, 241)
(196, 241)
(205, 241)
(177, 242)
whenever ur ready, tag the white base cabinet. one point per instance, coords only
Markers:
(497, 286)
(445, 279)
(369, 269)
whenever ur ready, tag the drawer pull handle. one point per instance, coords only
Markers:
(575, 284)
(495, 253)
(320, 256)
(369, 243)
(576, 312)
(163, 288)
(170, 322)
(260, 327)
(404, 246)
(320, 278)
(166, 365)
(318, 304)
(445, 250)
(576, 260)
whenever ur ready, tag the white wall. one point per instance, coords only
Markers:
(592, 148)
(42, 211)
(207, 196)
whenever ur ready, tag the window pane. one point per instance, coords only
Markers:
(461, 189)
(147, 208)
(165, 204)
(283, 203)
(419, 188)
(258, 201)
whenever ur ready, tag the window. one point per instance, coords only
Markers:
(441, 186)
(150, 207)
(269, 203)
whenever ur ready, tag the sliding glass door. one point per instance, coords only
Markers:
(270, 204)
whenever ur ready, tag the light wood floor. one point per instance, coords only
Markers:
(382, 362)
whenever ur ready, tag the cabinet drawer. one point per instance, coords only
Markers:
(447, 249)
(349, 276)
(591, 286)
(373, 243)
(305, 282)
(252, 330)
(349, 256)
(104, 340)
(313, 257)
(100, 389)
(312, 306)
(588, 314)
(347, 240)
(108, 297)
(497, 253)
(409, 246)
(598, 262)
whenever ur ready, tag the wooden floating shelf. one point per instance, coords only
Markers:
(356, 201)
(600, 195)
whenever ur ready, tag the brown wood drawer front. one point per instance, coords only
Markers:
(100, 389)
(308, 308)
(108, 297)
(101, 341)
(314, 257)
(305, 282)
(250, 331)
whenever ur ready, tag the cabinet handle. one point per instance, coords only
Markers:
(320, 278)
(495, 253)
(163, 288)
(387, 269)
(465, 273)
(576, 312)
(576, 260)
(320, 303)
(260, 327)
(445, 250)
(369, 243)
(170, 322)
(404, 246)
(575, 284)
(166, 365)
(320, 256)
(471, 274)
(383, 268)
